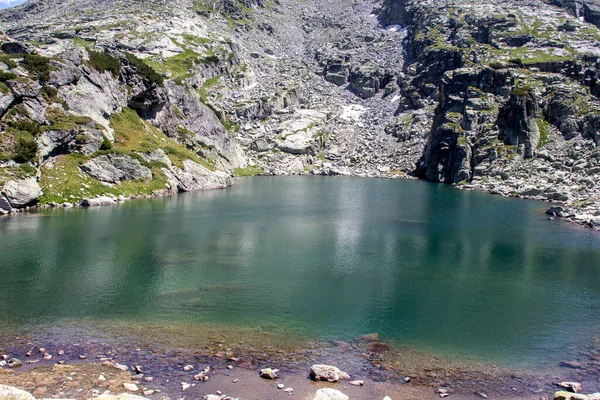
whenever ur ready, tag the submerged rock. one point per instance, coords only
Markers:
(14, 363)
(329, 394)
(319, 372)
(268, 373)
(574, 387)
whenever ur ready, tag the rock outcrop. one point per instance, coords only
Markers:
(114, 168)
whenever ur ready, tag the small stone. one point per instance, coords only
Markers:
(47, 357)
(2, 363)
(14, 363)
(185, 386)
(149, 392)
(29, 353)
(137, 369)
(229, 367)
(280, 386)
(148, 379)
(203, 376)
(132, 387)
(387, 398)
(289, 390)
(188, 368)
(571, 386)
(101, 378)
(61, 352)
(4, 357)
(219, 392)
(235, 381)
(82, 356)
(358, 383)
(407, 379)
(268, 373)
(482, 395)
(42, 350)
(120, 367)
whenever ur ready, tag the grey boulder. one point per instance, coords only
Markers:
(22, 193)
(114, 168)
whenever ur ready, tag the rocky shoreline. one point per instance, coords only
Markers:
(159, 362)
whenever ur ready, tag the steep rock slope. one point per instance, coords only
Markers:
(515, 87)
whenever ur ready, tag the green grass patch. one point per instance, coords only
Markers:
(101, 61)
(38, 66)
(248, 171)
(133, 134)
(144, 69)
(178, 65)
(66, 182)
(544, 127)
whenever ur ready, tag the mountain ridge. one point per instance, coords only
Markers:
(500, 97)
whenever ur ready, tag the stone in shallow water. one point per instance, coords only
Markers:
(329, 394)
(319, 372)
(269, 373)
(574, 387)
(14, 363)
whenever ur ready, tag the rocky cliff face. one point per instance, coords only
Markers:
(126, 98)
(514, 86)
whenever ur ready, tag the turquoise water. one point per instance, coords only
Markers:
(452, 272)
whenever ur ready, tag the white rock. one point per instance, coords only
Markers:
(132, 387)
(9, 392)
(329, 394)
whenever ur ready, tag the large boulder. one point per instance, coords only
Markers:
(329, 394)
(195, 177)
(114, 168)
(11, 393)
(22, 193)
(320, 372)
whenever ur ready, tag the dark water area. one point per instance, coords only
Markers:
(453, 273)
